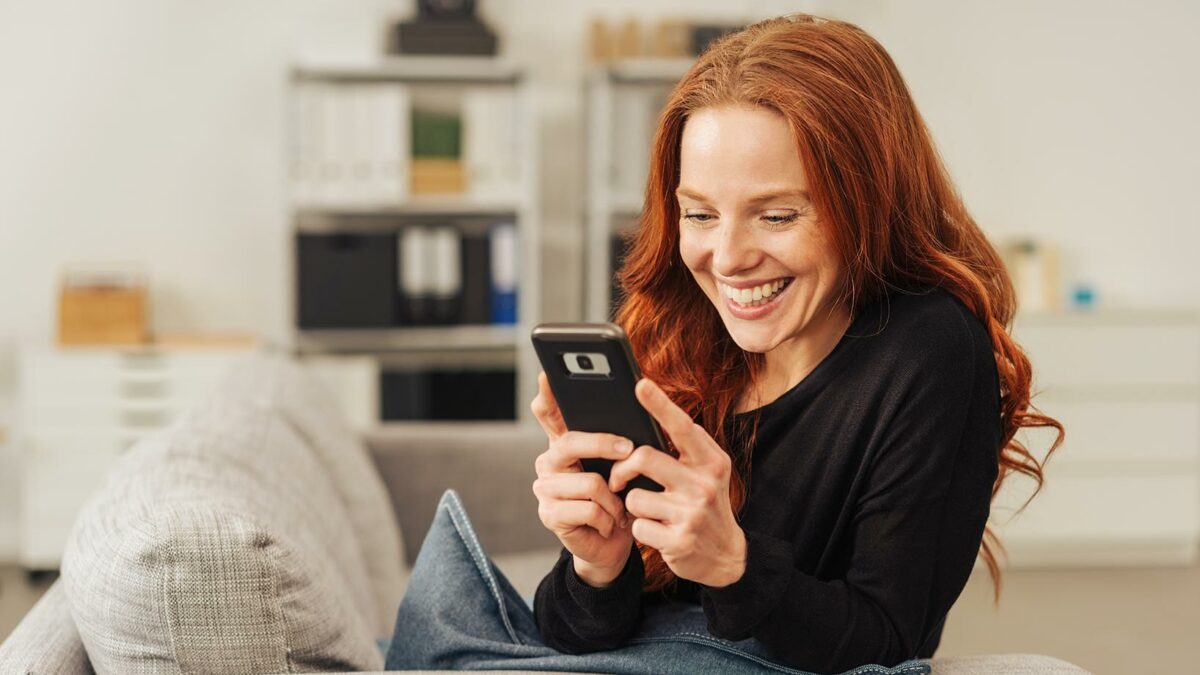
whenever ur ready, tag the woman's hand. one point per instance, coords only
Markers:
(576, 505)
(691, 523)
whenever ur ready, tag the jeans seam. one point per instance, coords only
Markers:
(468, 538)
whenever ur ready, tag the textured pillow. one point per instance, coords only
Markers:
(220, 545)
(276, 381)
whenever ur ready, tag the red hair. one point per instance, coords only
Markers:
(882, 193)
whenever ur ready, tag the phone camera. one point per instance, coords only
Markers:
(585, 362)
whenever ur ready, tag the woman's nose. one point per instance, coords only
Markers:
(734, 250)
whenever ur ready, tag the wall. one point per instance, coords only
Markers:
(153, 129)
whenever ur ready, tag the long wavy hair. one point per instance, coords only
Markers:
(879, 188)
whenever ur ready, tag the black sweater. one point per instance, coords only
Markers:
(870, 487)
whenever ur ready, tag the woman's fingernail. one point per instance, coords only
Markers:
(623, 446)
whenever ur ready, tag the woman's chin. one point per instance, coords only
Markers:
(755, 339)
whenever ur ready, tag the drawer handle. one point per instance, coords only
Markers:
(144, 389)
(142, 361)
(144, 417)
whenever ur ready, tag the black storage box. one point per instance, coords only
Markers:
(467, 394)
(346, 280)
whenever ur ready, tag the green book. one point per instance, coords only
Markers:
(436, 134)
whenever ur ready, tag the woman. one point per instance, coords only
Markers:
(822, 327)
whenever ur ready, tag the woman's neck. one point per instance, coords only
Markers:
(792, 360)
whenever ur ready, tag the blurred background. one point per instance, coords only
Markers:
(397, 199)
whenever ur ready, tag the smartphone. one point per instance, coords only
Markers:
(592, 374)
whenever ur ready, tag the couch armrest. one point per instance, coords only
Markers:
(46, 640)
(491, 467)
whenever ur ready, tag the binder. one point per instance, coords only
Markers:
(391, 107)
(446, 280)
(304, 131)
(333, 140)
(504, 273)
(476, 279)
(491, 142)
(416, 275)
(349, 144)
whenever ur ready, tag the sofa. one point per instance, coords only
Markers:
(258, 533)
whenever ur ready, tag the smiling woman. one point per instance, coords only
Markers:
(824, 333)
(751, 238)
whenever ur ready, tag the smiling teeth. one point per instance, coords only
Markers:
(752, 297)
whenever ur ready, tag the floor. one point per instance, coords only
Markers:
(1106, 620)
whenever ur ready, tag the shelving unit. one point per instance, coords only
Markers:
(438, 80)
(623, 101)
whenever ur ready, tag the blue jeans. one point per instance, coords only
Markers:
(460, 613)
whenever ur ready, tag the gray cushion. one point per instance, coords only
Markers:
(489, 465)
(220, 545)
(276, 381)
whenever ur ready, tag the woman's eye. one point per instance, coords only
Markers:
(781, 220)
(697, 217)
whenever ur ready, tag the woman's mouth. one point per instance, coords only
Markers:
(755, 296)
(756, 301)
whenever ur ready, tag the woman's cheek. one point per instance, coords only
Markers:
(692, 252)
(694, 259)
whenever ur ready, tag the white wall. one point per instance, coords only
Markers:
(153, 130)
(1075, 121)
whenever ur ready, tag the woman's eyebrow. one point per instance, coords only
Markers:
(685, 192)
(776, 194)
(763, 197)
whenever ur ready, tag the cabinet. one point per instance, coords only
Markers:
(78, 410)
(445, 144)
(1124, 489)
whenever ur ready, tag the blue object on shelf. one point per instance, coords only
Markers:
(504, 306)
(503, 237)
(1083, 296)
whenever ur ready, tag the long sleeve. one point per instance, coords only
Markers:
(914, 528)
(574, 617)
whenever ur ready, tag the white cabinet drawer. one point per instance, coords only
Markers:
(1119, 507)
(1147, 432)
(1080, 353)
(146, 386)
(54, 487)
(108, 415)
(59, 381)
(66, 444)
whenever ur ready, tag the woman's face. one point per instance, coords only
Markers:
(748, 232)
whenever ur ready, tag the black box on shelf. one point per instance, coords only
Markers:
(460, 37)
(444, 394)
(404, 395)
(346, 280)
